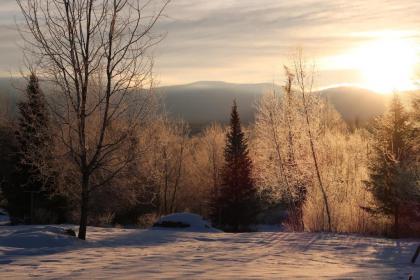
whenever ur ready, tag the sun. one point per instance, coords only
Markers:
(386, 64)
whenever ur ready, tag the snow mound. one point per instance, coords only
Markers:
(185, 222)
(35, 237)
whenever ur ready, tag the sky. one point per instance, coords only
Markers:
(249, 41)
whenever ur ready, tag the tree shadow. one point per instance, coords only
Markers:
(386, 258)
(51, 242)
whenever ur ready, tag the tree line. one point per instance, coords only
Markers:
(229, 174)
(92, 145)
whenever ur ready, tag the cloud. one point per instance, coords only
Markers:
(257, 36)
(249, 40)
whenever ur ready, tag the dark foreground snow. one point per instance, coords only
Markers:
(43, 252)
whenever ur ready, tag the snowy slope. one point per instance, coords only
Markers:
(42, 251)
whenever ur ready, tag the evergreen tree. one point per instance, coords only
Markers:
(8, 160)
(415, 134)
(235, 204)
(31, 191)
(33, 134)
(391, 181)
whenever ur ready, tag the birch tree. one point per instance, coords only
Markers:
(304, 82)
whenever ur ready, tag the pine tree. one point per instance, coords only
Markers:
(235, 204)
(31, 190)
(390, 180)
(33, 130)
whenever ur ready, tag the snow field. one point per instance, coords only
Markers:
(111, 253)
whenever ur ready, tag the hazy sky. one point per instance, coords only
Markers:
(250, 40)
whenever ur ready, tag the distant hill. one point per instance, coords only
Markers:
(9, 94)
(201, 103)
(8, 87)
(356, 103)
(204, 102)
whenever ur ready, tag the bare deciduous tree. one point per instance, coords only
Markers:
(206, 159)
(280, 145)
(213, 139)
(95, 54)
(304, 82)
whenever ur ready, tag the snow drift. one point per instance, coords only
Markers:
(35, 237)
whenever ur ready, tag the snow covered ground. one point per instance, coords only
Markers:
(43, 252)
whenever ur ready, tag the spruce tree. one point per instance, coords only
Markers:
(31, 190)
(235, 203)
(390, 179)
(33, 124)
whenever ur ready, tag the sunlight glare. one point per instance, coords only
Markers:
(386, 64)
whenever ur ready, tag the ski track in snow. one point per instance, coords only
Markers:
(38, 252)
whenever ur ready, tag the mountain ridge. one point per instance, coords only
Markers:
(202, 102)
(207, 101)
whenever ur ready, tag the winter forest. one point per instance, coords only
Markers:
(299, 158)
(89, 145)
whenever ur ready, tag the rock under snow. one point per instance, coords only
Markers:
(184, 222)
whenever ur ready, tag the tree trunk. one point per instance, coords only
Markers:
(32, 207)
(324, 194)
(84, 207)
(396, 222)
(302, 223)
(178, 177)
(165, 194)
(416, 254)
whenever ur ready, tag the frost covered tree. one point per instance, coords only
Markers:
(391, 179)
(304, 83)
(204, 161)
(289, 128)
(171, 156)
(235, 202)
(164, 161)
(213, 139)
(278, 148)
